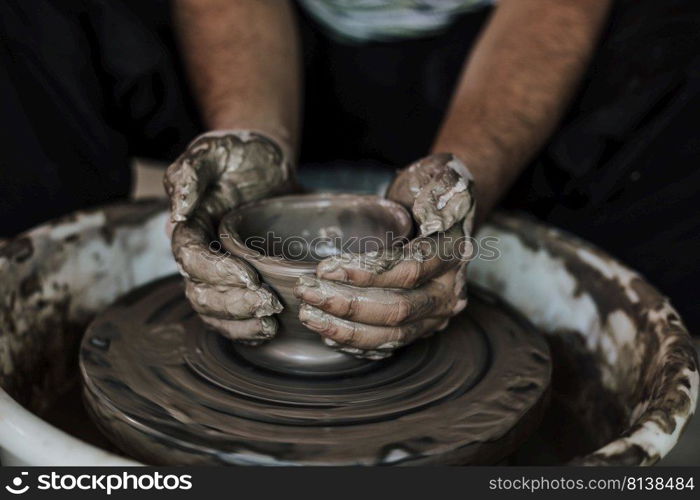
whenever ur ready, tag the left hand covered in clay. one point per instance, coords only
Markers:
(369, 305)
(219, 171)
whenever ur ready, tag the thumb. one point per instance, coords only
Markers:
(184, 186)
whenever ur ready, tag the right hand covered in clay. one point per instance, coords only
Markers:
(217, 172)
(371, 304)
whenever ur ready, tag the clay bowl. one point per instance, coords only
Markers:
(284, 238)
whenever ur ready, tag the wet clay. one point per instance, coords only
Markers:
(218, 172)
(167, 390)
(283, 239)
(381, 301)
(223, 169)
(629, 387)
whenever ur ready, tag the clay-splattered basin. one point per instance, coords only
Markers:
(625, 376)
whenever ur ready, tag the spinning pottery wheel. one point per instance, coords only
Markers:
(616, 397)
(167, 390)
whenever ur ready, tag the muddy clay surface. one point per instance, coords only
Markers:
(625, 371)
(556, 441)
(169, 391)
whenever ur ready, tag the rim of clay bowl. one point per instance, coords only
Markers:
(231, 241)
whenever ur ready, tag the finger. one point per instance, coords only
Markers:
(362, 336)
(443, 202)
(200, 258)
(377, 271)
(379, 353)
(191, 175)
(460, 288)
(460, 168)
(169, 226)
(231, 302)
(220, 170)
(438, 190)
(411, 179)
(254, 330)
(407, 267)
(247, 166)
(258, 167)
(182, 186)
(376, 306)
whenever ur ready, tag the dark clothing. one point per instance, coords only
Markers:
(623, 170)
(85, 85)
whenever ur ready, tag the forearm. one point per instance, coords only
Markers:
(243, 60)
(516, 86)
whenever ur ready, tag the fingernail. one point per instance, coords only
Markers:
(311, 295)
(331, 269)
(308, 290)
(312, 317)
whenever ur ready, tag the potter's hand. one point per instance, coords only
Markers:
(217, 172)
(371, 304)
